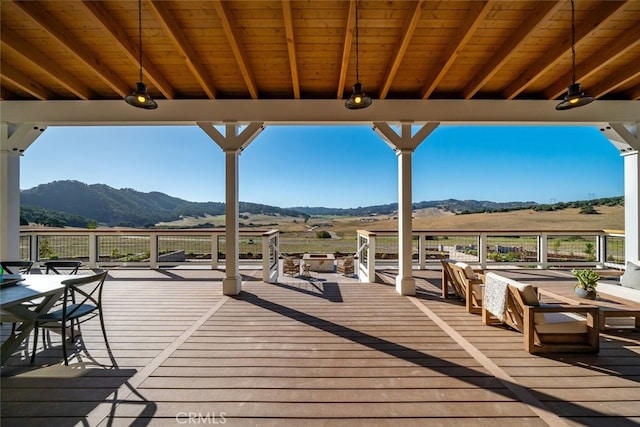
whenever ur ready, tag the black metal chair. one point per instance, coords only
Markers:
(62, 267)
(16, 267)
(88, 304)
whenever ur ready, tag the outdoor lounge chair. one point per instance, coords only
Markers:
(466, 283)
(345, 265)
(546, 328)
(290, 266)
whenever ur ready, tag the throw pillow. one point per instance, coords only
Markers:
(468, 271)
(631, 276)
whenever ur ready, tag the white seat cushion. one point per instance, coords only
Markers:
(559, 323)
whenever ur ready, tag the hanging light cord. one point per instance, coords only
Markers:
(140, 37)
(357, 50)
(573, 44)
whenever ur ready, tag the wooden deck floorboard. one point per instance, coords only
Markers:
(323, 352)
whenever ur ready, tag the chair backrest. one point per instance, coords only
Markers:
(457, 277)
(519, 296)
(346, 265)
(17, 267)
(62, 267)
(87, 291)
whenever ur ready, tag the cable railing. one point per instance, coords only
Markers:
(372, 249)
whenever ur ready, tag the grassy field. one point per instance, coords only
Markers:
(300, 236)
(609, 218)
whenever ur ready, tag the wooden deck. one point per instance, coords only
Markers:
(325, 351)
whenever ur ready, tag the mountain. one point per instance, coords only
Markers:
(75, 204)
(123, 207)
(450, 205)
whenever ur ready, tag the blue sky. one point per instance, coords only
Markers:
(335, 166)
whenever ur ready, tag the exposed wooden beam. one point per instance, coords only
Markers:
(407, 33)
(291, 47)
(477, 13)
(182, 45)
(598, 61)
(537, 69)
(221, 10)
(35, 13)
(634, 93)
(40, 60)
(346, 49)
(617, 78)
(119, 37)
(23, 81)
(513, 44)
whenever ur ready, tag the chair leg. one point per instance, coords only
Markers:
(35, 344)
(104, 332)
(64, 341)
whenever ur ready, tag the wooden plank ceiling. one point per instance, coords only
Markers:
(287, 49)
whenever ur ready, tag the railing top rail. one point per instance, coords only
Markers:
(206, 231)
(493, 232)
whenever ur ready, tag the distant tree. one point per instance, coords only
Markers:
(92, 225)
(323, 235)
(588, 210)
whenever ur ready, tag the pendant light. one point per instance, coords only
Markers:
(358, 98)
(574, 97)
(140, 98)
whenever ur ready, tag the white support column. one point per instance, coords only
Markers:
(232, 283)
(624, 136)
(404, 144)
(631, 206)
(232, 143)
(405, 283)
(14, 140)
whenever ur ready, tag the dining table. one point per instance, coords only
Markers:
(23, 298)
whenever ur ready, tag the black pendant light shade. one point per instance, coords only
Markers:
(574, 97)
(358, 98)
(140, 98)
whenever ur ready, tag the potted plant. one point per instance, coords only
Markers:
(587, 282)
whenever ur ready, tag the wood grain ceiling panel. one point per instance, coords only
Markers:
(276, 49)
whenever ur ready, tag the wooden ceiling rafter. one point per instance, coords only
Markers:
(620, 78)
(237, 50)
(408, 30)
(43, 63)
(183, 47)
(37, 15)
(556, 54)
(598, 61)
(346, 47)
(22, 81)
(130, 49)
(291, 47)
(634, 94)
(472, 20)
(510, 48)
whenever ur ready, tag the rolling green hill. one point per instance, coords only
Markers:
(75, 204)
